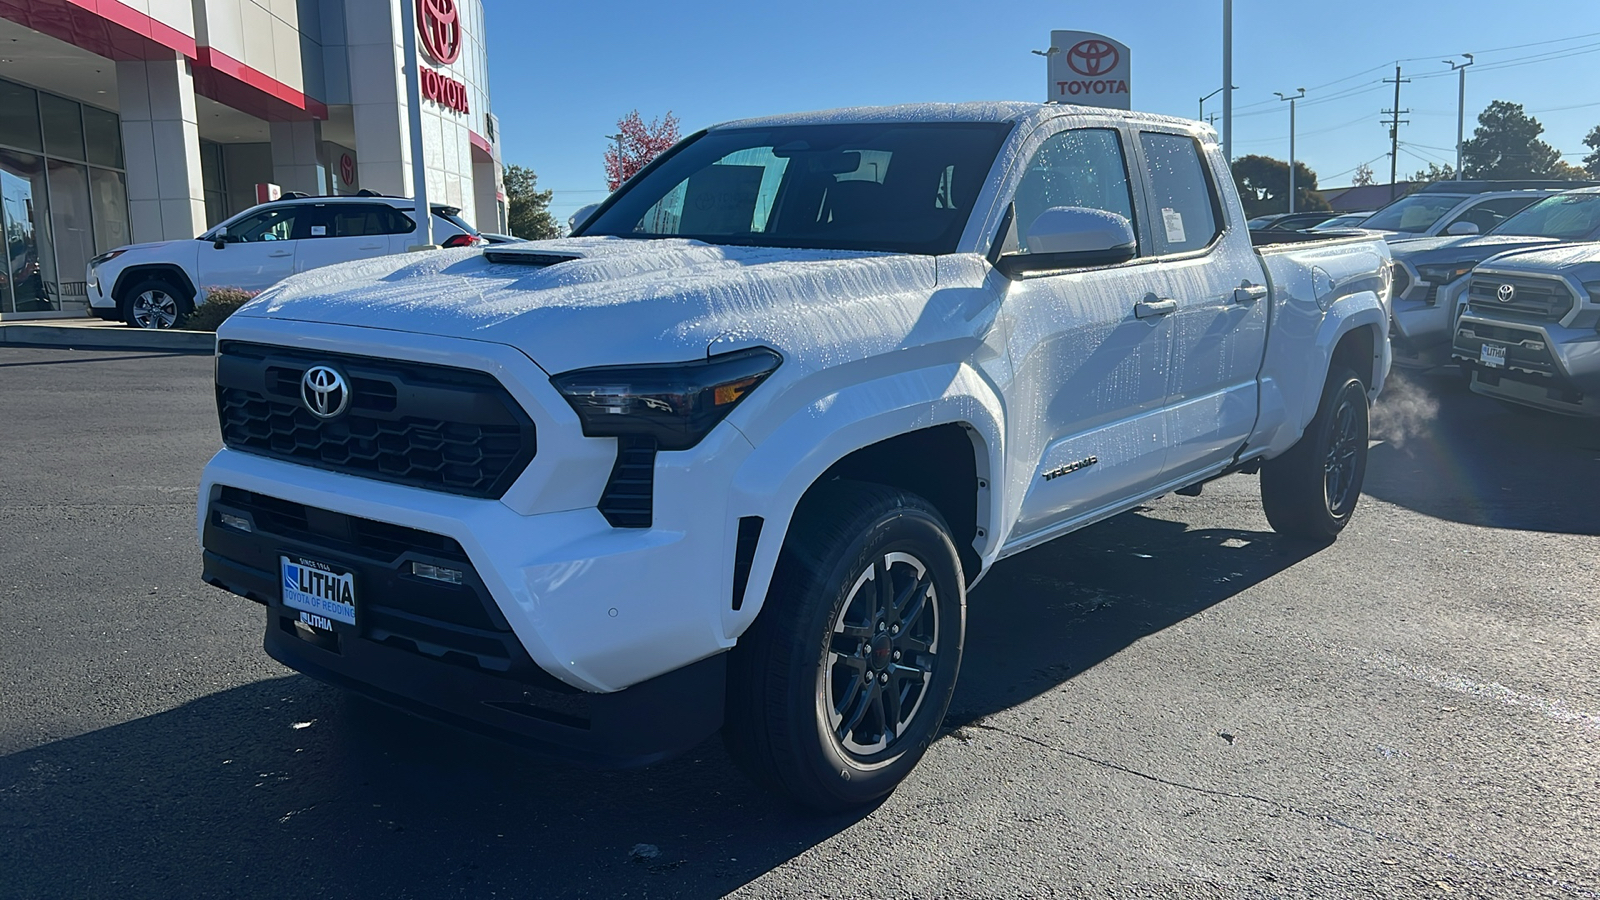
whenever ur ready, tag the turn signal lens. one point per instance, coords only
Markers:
(437, 573)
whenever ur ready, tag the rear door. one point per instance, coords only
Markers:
(258, 251)
(1219, 329)
(342, 232)
(1085, 407)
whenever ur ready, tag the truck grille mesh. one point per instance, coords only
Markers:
(451, 430)
(1535, 298)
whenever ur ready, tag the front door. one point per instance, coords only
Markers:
(257, 252)
(1085, 406)
(1220, 326)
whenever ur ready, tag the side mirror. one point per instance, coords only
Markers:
(581, 216)
(1462, 227)
(220, 239)
(1072, 237)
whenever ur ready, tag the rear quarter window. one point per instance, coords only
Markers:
(1184, 213)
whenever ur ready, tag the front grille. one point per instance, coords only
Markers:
(1536, 298)
(434, 427)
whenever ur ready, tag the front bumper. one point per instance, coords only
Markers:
(1420, 330)
(441, 651)
(1547, 365)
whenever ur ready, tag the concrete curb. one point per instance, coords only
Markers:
(78, 337)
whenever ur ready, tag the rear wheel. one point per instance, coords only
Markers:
(1311, 491)
(843, 681)
(154, 303)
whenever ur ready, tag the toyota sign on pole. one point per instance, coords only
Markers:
(1088, 69)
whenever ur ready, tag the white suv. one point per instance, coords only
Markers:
(155, 285)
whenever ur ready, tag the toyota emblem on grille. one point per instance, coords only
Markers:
(324, 392)
(1507, 293)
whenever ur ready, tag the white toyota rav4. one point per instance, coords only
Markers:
(734, 454)
(155, 285)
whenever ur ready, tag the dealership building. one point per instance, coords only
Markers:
(126, 121)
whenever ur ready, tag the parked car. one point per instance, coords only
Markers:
(1430, 277)
(155, 285)
(734, 454)
(1291, 221)
(1342, 221)
(1460, 207)
(1530, 333)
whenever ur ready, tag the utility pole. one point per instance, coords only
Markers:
(1291, 98)
(1227, 81)
(1394, 127)
(1461, 107)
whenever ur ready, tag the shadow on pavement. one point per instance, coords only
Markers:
(1455, 455)
(288, 788)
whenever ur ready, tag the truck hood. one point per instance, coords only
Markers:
(1462, 249)
(581, 302)
(1579, 261)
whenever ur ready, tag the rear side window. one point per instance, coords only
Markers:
(1183, 209)
(1083, 168)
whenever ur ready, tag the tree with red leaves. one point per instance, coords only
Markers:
(640, 143)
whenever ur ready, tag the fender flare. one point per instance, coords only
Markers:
(772, 480)
(1294, 412)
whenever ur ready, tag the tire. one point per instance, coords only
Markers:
(1311, 491)
(154, 303)
(818, 687)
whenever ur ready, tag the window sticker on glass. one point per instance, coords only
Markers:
(1173, 220)
(319, 231)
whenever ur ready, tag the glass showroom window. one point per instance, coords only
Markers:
(63, 197)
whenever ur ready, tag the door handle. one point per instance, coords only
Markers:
(370, 247)
(1149, 309)
(280, 254)
(1249, 293)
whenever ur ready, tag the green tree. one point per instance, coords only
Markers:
(1591, 163)
(1363, 176)
(527, 207)
(1263, 184)
(1434, 172)
(1506, 145)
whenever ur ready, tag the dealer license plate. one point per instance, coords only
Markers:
(1493, 355)
(317, 588)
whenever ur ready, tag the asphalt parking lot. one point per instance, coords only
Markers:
(1174, 703)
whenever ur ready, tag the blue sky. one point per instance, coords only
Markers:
(561, 74)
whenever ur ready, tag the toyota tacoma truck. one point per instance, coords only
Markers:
(1530, 333)
(734, 455)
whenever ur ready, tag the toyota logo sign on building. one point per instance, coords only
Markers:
(1088, 69)
(440, 25)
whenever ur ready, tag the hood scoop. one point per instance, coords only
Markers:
(536, 258)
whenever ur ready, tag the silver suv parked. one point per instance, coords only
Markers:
(1530, 333)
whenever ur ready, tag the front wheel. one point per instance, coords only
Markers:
(1311, 491)
(842, 682)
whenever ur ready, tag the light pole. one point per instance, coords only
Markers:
(618, 138)
(1461, 106)
(1227, 79)
(419, 169)
(1052, 51)
(1291, 98)
(1208, 97)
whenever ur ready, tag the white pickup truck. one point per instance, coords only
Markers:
(734, 455)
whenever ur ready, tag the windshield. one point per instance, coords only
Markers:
(1570, 217)
(1414, 214)
(884, 186)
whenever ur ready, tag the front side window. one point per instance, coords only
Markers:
(1183, 211)
(877, 186)
(266, 225)
(1571, 217)
(1082, 168)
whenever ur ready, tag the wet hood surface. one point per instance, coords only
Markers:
(1578, 260)
(1470, 248)
(594, 301)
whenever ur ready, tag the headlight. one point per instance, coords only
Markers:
(1444, 274)
(105, 257)
(676, 403)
